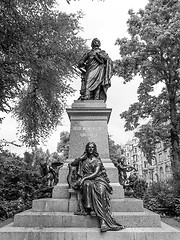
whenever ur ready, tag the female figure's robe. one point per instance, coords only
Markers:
(95, 191)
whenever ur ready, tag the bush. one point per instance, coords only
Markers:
(20, 184)
(162, 198)
(140, 188)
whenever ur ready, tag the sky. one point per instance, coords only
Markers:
(106, 20)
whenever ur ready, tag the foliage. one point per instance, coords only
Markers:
(69, 1)
(149, 136)
(28, 159)
(153, 53)
(114, 149)
(55, 158)
(38, 156)
(163, 198)
(147, 141)
(139, 188)
(20, 184)
(39, 49)
(63, 145)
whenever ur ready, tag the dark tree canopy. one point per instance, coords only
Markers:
(153, 52)
(39, 49)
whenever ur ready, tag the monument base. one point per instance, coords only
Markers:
(89, 119)
(54, 219)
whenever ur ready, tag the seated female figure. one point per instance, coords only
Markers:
(94, 187)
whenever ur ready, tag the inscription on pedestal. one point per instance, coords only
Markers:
(88, 124)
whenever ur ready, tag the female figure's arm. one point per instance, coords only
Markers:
(91, 176)
(75, 162)
(78, 160)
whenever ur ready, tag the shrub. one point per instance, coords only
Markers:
(20, 184)
(140, 187)
(162, 198)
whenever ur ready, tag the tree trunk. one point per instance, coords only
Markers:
(175, 159)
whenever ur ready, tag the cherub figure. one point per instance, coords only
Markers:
(123, 168)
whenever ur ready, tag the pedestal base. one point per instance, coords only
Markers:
(89, 119)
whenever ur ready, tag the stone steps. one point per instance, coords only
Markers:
(68, 219)
(62, 205)
(60, 191)
(165, 232)
(53, 219)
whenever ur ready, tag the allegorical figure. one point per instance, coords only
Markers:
(123, 168)
(50, 172)
(96, 72)
(94, 187)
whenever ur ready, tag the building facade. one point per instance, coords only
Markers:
(159, 170)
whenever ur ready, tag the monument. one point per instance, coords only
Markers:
(54, 218)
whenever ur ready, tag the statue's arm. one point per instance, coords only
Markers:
(99, 58)
(92, 176)
(103, 55)
(78, 160)
(130, 168)
(75, 162)
(82, 61)
(121, 166)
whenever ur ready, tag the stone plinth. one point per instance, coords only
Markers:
(89, 120)
(68, 219)
(164, 232)
(54, 219)
(63, 205)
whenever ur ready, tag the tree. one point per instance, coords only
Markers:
(20, 184)
(63, 145)
(153, 53)
(28, 159)
(39, 49)
(114, 149)
(69, 1)
(148, 139)
(149, 135)
(56, 158)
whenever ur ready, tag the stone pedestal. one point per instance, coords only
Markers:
(53, 218)
(89, 121)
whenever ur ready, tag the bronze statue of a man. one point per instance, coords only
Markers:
(96, 72)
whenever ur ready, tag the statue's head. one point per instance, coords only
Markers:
(122, 159)
(95, 43)
(91, 148)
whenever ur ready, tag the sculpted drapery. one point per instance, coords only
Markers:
(95, 189)
(96, 68)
